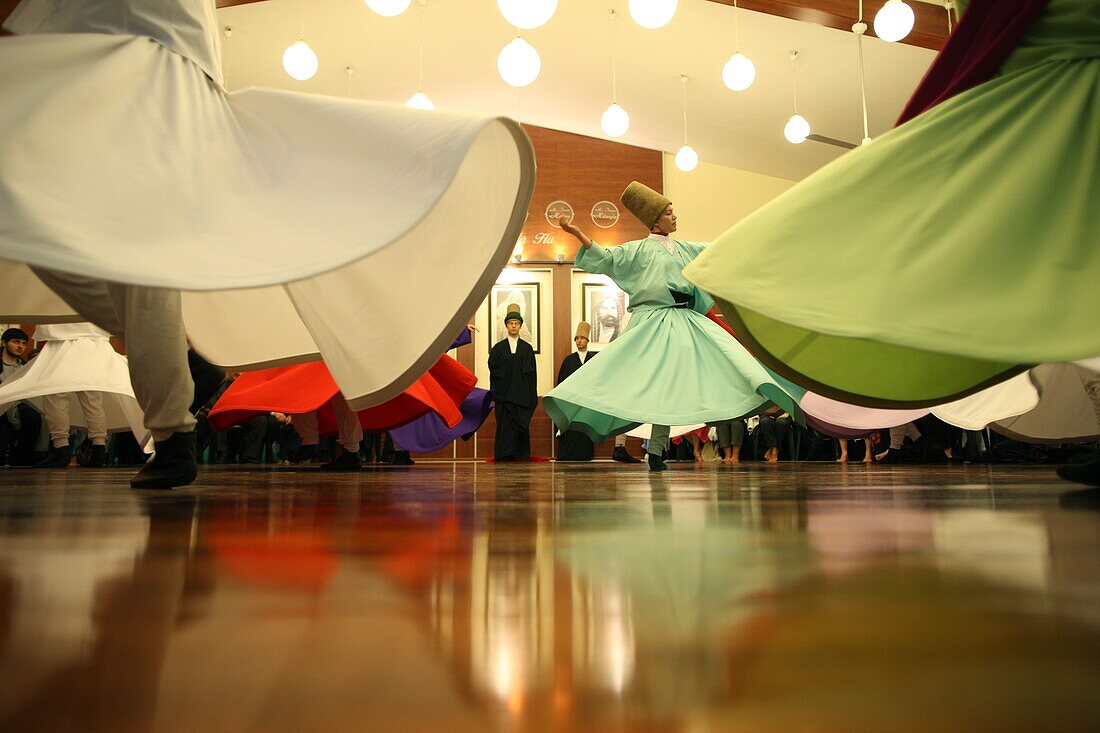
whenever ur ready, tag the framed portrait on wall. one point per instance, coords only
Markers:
(604, 307)
(526, 295)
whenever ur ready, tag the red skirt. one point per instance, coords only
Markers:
(302, 388)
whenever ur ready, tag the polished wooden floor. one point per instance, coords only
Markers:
(474, 597)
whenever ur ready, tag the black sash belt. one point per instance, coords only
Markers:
(683, 300)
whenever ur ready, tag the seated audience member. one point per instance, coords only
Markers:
(731, 433)
(868, 454)
(20, 424)
(773, 427)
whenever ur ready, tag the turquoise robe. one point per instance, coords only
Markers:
(672, 365)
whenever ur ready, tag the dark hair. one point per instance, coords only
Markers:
(15, 333)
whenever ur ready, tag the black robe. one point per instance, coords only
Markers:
(574, 445)
(512, 380)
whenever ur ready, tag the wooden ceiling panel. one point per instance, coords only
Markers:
(929, 28)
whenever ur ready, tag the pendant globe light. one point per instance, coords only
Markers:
(518, 63)
(739, 72)
(686, 157)
(894, 20)
(299, 60)
(797, 128)
(615, 121)
(527, 14)
(652, 14)
(420, 100)
(389, 8)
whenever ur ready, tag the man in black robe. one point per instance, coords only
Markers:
(574, 445)
(512, 380)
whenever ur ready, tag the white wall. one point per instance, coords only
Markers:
(712, 198)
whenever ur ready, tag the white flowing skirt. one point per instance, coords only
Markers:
(299, 226)
(79, 365)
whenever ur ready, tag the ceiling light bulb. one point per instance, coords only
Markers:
(420, 101)
(527, 14)
(797, 129)
(299, 61)
(893, 21)
(687, 159)
(652, 14)
(739, 73)
(615, 121)
(389, 8)
(519, 63)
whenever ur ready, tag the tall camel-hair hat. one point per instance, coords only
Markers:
(644, 203)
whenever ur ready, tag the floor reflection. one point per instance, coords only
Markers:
(544, 597)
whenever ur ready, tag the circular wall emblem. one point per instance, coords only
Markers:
(605, 214)
(557, 212)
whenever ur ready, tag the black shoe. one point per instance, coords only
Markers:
(91, 456)
(655, 462)
(346, 461)
(58, 457)
(620, 455)
(173, 464)
(304, 454)
(1082, 473)
(402, 458)
(893, 456)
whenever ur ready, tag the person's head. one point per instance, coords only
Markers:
(513, 319)
(584, 330)
(14, 342)
(607, 313)
(666, 222)
(648, 206)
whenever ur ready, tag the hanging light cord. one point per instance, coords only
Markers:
(614, 53)
(794, 80)
(736, 30)
(859, 29)
(949, 6)
(302, 20)
(684, 84)
(420, 73)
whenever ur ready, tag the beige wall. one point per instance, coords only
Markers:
(712, 198)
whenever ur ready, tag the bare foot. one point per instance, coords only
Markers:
(772, 454)
(868, 459)
(842, 459)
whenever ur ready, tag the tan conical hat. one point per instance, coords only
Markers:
(644, 203)
(583, 330)
(513, 313)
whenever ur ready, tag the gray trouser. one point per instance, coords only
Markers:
(899, 433)
(658, 439)
(55, 407)
(347, 424)
(150, 322)
(730, 432)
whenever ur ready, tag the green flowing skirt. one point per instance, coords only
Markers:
(949, 254)
(672, 366)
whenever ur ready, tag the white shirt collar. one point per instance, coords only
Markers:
(665, 240)
(513, 342)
